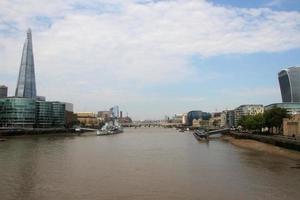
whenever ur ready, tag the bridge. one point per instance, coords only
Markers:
(143, 124)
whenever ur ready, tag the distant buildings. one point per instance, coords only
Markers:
(244, 110)
(196, 115)
(215, 120)
(3, 91)
(177, 118)
(87, 119)
(104, 116)
(115, 112)
(289, 80)
(228, 118)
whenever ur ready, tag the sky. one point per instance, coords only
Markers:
(152, 57)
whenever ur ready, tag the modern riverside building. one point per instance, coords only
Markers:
(29, 113)
(3, 91)
(196, 115)
(292, 108)
(289, 80)
(58, 114)
(244, 110)
(17, 112)
(44, 111)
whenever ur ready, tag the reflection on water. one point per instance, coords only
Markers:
(141, 164)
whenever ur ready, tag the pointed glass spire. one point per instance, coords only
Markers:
(26, 81)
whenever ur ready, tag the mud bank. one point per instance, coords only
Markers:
(263, 147)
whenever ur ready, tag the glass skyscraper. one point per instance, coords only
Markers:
(289, 80)
(26, 82)
(26, 109)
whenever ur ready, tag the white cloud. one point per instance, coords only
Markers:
(127, 44)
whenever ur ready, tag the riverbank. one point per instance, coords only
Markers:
(263, 147)
(35, 131)
(276, 140)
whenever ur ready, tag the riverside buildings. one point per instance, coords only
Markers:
(26, 109)
(244, 110)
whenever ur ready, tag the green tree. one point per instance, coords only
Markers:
(252, 122)
(274, 117)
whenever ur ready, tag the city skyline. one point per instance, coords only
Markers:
(218, 54)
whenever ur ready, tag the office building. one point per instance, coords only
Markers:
(3, 91)
(227, 118)
(292, 108)
(29, 113)
(115, 112)
(289, 80)
(26, 82)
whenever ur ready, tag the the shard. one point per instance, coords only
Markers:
(26, 82)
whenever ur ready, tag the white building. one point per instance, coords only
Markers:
(244, 110)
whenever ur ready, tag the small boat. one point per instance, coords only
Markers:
(2, 140)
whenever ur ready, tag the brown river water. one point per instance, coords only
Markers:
(142, 163)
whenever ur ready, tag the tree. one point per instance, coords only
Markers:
(252, 122)
(274, 117)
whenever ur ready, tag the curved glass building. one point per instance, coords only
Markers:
(289, 80)
(197, 114)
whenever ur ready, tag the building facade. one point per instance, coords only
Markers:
(196, 115)
(104, 116)
(292, 108)
(3, 91)
(30, 113)
(227, 118)
(87, 119)
(44, 117)
(291, 127)
(244, 110)
(18, 112)
(26, 82)
(289, 81)
(115, 111)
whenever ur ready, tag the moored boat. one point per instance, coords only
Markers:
(200, 134)
(110, 128)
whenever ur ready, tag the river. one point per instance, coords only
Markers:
(142, 163)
